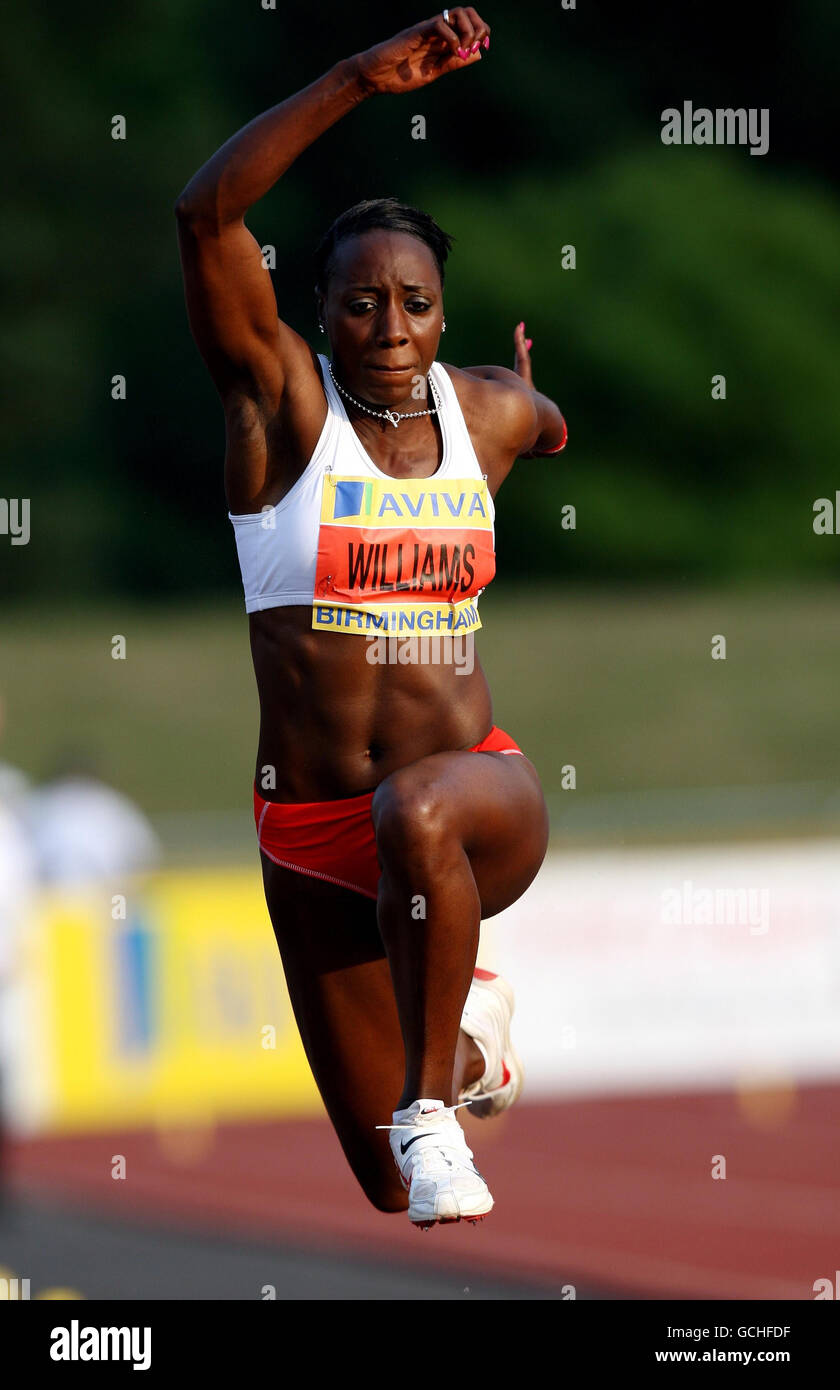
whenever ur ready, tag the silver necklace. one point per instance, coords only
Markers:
(393, 415)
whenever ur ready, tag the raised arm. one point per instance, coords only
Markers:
(230, 299)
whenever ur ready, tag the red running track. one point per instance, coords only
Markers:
(612, 1193)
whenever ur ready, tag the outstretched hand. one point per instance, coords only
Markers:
(420, 55)
(550, 416)
(522, 354)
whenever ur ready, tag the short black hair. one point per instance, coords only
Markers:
(388, 214)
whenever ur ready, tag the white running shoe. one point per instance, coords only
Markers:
(435, 1165)
(486, 1018)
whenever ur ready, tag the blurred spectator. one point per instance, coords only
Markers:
(17, 875)
(80, 828)
(14, 786)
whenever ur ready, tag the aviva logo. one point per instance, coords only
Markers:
(451, 502)
(352, 499)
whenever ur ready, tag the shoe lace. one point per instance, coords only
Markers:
(479, 1094)
(446, 1109)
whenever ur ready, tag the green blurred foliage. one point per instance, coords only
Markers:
(690, 262)
(682, 273)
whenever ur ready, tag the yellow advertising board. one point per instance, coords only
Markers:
(162, 1004)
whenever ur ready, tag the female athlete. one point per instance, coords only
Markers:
(392, 816)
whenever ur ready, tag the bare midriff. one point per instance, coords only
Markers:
(333, 723)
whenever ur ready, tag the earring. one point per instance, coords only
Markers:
(443, 327)
(321, 326)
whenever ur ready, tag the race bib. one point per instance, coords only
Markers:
(403, 555)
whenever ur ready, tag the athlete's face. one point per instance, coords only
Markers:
(383, 310)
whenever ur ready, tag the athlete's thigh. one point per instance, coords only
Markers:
(342, 995)
(492, 803)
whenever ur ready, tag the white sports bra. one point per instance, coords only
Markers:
(369, 552)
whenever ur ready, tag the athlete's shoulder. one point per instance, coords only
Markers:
(496, 397)
(479, 378)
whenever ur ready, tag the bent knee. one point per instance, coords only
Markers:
(410, 813)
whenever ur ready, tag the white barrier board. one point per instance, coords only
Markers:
(683, 967)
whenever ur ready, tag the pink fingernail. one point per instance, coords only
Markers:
(528, 342)
(462, 53)
(487, 42)
(475, 48)
(521, 325)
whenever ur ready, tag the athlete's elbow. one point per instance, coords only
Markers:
(552, 436)
(193, 212)
(184, 205)
(189, 215)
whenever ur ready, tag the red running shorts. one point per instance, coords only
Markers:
(334, 840)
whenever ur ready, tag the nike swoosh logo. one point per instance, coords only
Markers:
(404, 1147)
